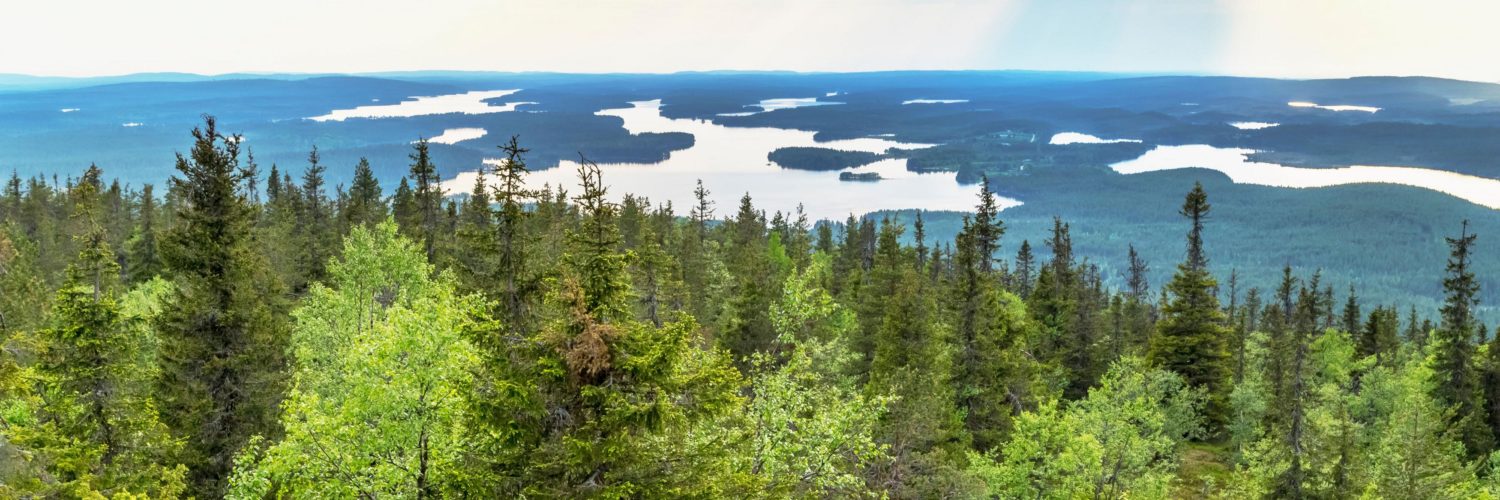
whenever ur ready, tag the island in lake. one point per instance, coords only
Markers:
(860, 176)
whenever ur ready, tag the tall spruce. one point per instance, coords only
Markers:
(366, 206)
(1190, 336)
(1454, 355)
(223, 342)
(427, 198)
(143, 250)
(518, 281)
(1024, 274)
(1351, 313)
(315, 231)
(989, 371)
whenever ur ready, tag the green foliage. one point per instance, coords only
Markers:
(380, 363)
(1413, 455)
(223, 340)
(540, 343)
(807, 432)
(88, 425)
(1119, 442)
(589, 398)
(1190, 338)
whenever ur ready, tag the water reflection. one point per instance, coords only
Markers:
(457, 135)
(1065, 138)
(1235, 163)
(471, 103)
(732, 161)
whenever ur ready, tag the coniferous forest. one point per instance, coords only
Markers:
(249, 331)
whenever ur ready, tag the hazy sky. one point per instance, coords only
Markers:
(1296, 38)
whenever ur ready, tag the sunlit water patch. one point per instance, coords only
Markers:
(732, 161)
(471, 103)
(130, 124)
(1065, 138)
(1252, 125)
(769, 105)
(934, 101)
(69, 110)
(1234, 162)
(1336, 107)
(457, 135)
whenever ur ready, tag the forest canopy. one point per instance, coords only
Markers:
(250, 332)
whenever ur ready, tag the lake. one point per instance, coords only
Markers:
(769, 105)
(1235, 163)
(472, 103)
(732, 161)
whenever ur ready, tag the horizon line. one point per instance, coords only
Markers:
(1134, 74)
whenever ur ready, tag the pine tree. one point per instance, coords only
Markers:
(1189, 340)
(224, 339)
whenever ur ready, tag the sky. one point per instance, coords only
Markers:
(1279, 38)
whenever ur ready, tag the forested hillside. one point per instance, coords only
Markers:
(248, 331)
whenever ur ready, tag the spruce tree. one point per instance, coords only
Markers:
(990, 372)
(143, 252)
(1454, 360)
(1351, 313)
(404, 210)
(475, 263)
(625, 387)
(1190, 337)
(987, 227)
(747, 327)
(1025, 269)
(223, 342)
(427, 198)
(1383, 330)
(95, 430)
(366, 207)
(315, 232)
(518, 281)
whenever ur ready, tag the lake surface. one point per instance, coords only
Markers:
(732, 161)
(934, 101)
(472, 103)
(1252, 125)
(1065, 138)
(1337, 107)
(457, 135)
(1235, 163)
(769, 105)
